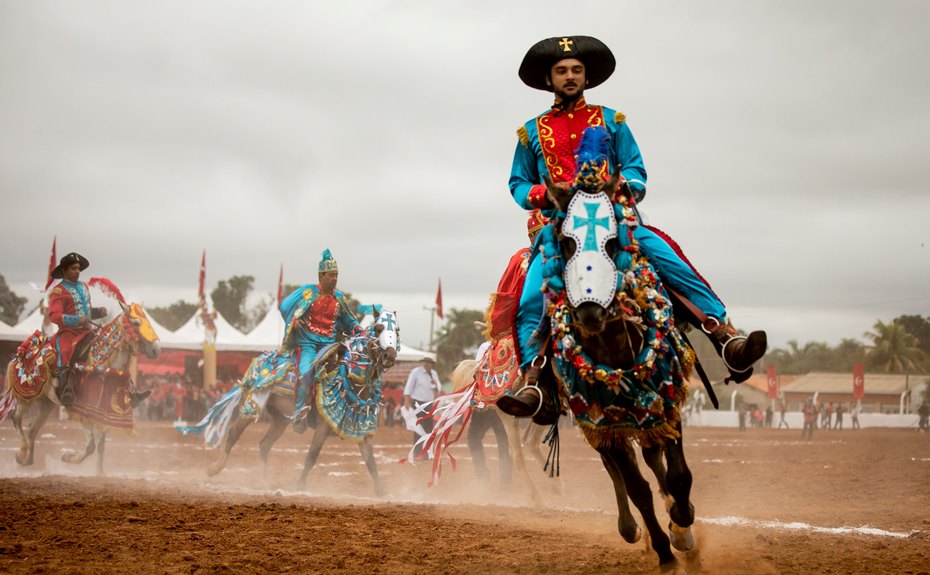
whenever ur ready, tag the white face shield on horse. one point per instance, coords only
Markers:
(590, 273)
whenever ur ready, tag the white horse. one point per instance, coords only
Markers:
(102, 399)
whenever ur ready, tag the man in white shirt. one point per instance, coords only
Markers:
(422, 387)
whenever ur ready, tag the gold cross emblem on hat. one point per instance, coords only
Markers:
(566, 45)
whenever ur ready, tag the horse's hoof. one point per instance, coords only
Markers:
(301, 485)
(381, 492)
(669, 567)
(214, 469)
(681, 537)
(22, 459)
(637, 535)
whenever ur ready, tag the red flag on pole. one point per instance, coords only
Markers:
(439, 300)
(51, 263)
(281, 285)
(203, 275)
(772, 380)
(858, 381)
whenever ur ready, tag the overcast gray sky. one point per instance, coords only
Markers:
(787, 145)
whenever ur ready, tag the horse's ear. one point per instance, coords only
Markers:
(125, 308)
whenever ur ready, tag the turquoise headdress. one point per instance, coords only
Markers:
(328, 264)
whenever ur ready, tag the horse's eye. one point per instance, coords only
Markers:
(135, 321)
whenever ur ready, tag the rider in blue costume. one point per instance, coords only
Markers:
(315, 316)
(546, 148)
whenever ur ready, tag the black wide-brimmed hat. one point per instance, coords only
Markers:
(597, 58)
(72, 258)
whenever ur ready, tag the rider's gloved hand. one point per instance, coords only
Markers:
(98, 312)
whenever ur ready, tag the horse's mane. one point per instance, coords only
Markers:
(464, 374)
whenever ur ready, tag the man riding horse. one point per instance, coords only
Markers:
(315, 316)
(545, 153)
(69, 308)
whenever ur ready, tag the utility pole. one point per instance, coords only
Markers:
(432, 316)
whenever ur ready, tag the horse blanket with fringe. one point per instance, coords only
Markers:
(348, 397)
(101, 396)
(497, 372)
(30, 372)
(272, 370)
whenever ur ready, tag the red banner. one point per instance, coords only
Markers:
(281, 285)
(439, 300)
(772, 380)
(203, 274)
(52, 263)
(858, 381)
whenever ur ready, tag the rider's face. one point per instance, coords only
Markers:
(328, 281)
(567, 79)
(73, 272)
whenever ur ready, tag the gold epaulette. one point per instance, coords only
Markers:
(620, 118)
(523, 135)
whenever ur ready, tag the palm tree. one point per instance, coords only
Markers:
(894, 350)
(458, 338)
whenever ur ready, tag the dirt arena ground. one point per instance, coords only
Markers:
(767, 503)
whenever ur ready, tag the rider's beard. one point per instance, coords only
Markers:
(567, 101)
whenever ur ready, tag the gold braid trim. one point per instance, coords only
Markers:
(524, 136)
(620, 118)
(615, 437)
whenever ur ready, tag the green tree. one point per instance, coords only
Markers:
(457, 339)
(848, 352)
(894, 350)
(231, 299)
(11, 305)
(174, 315)
(919, 327)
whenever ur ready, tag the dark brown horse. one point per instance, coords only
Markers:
(617, 359)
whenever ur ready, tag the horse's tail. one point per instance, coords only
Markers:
(215, 424)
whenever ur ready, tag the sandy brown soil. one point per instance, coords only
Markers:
(157, 512)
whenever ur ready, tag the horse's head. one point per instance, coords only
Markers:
(138, 328)
(588, 235)
(387, 341)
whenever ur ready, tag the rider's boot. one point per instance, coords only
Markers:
(137, 397)
(739, 352)
(532, 400)
(66, 387)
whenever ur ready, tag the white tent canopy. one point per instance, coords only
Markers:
(269, 331)
(11, 333)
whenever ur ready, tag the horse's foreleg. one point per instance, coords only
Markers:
(28, 436)
(319, 438)
(512, 425)
(89, 448)
(101, 444)
(653, 458)
(235, 432)
(622, 459)
(278, 425)
(626, 524)
(366, 447)
(681, 511)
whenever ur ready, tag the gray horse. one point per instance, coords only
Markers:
(347, 387)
